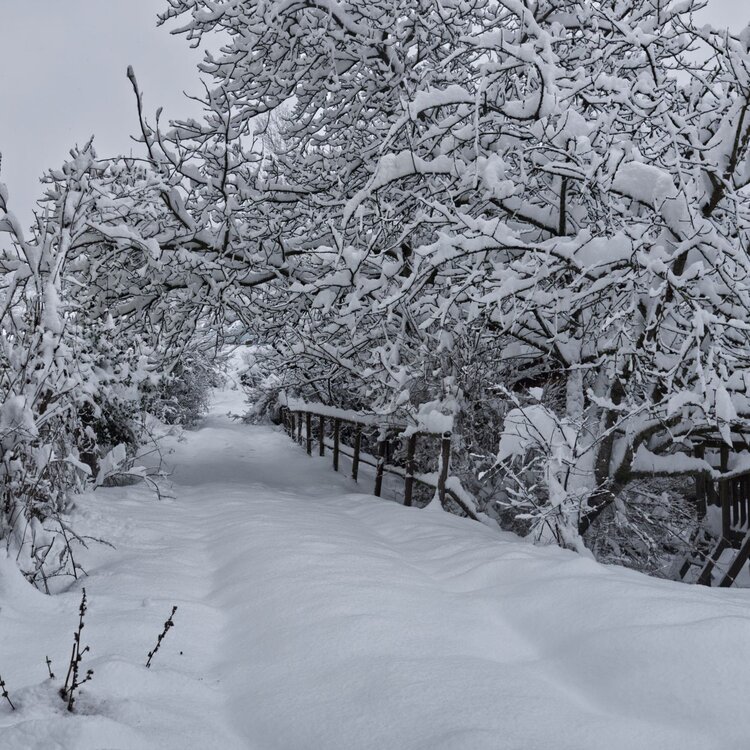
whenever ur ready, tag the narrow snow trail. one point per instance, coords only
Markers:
(315, 618)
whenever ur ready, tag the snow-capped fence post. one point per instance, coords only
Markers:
(308, 432)
(445, 457)
(355, 456)
(321, 435)
(382, 450)
(336, 429)
(411, 448)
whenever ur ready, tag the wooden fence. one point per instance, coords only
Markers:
(308, 427)
(732, 495)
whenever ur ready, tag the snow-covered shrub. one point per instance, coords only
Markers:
(70, 371)
(259, 377)
(650, 526)
(181, 396)
(105, 424)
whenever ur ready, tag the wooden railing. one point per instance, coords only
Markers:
(308, 427)
(732, 495)
(734, 499)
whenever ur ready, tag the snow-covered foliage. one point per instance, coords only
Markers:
(526, 218)
(551, 192)
(181, 394)
(83, 349)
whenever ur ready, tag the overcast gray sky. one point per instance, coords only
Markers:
(62, 78)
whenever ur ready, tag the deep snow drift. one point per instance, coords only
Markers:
(313, 618)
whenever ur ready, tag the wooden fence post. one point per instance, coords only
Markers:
(411, 449)
(355, 455)
(321, 435)
(701, 484)
(445, 457)
(736, 503)
(308, 432)
(336, 428)
(382, 448)
(737, 564)
(726, 523)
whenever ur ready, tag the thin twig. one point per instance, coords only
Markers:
(167, 625)
(72, 683)
(5, 694)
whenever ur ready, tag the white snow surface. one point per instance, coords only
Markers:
(315, 617)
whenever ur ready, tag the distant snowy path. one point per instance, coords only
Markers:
(314, 618)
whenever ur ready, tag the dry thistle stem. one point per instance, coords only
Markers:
(167, 625)
(5, 694)
(72, 681)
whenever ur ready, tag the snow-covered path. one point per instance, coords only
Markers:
(314, 618)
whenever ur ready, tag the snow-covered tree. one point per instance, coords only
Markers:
(94, 319)
(537, 202)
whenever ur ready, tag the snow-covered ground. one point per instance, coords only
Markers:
(312, 617)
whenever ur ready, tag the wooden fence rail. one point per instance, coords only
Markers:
(732, 495)
(292, 420)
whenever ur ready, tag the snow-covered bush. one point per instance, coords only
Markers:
(51, 380)
(650, 526)
(257, 375)
(77, 347)
(181, 396)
